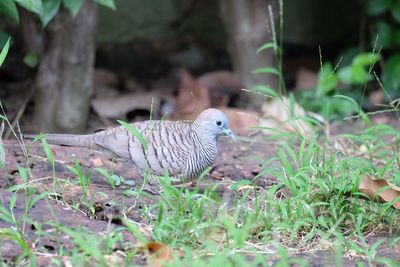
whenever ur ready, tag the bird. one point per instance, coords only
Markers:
(182, 149)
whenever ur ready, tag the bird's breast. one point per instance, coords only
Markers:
(202, 156)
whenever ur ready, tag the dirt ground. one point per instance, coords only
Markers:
(236, 161)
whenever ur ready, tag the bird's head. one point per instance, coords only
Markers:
(215, 121)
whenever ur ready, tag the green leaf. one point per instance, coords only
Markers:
(351, 100)
(396, 11)
(391, 74)
(396, 37)
(13, 200)
(265, 90)
(3, 38)
(14, 235)
(360, 75)
(47, 150)
(73, 5)
(4, 52)
(23, 174)
(31, 59)
(49, 10)
(106, 3)
(376, 7)
(267, 70)
(109, 177)
(135, 132)
(384, 35)
(327, 80)
(34, 6)
(103, 172)
(366, 59)
(357, 73)
(9, 8)
(266, 46)
(345, 75)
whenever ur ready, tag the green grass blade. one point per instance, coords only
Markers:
(4, 52)
(135, 132)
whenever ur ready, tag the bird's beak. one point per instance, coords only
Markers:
(229, 133)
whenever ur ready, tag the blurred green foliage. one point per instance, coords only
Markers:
(322, 100)
(354, 70)
(385, 17)
(45, 9)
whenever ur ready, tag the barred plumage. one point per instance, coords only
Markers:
(183, 149)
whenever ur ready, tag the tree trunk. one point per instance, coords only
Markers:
(32, 32)
(247, 24)
(65, 75)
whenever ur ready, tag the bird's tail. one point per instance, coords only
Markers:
(66, 139)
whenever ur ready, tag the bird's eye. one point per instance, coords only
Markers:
(219, 123)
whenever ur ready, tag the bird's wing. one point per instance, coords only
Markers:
(162, 145)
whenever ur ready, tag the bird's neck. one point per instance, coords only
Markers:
(203, 154)
(205, 143)
(205, 138)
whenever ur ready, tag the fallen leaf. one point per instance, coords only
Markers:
(159, 254)
(372, 188)
(96, 162)
(241, 121)
(193, 97)
(277, 114)
(114, 259)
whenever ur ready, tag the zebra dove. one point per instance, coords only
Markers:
(182, 149)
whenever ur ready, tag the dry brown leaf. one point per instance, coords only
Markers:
(193, 97)
(67, 261)
(114, 260)
(241, 120)
(372, 187)
(276, 114)
(159, 254)
(96, 162)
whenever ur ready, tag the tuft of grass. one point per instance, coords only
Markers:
(84, 180)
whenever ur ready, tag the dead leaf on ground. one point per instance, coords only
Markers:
(241, 121)
(277, 114)
(159, 254)
(96, 162)
(386, 191)
(193, 97)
